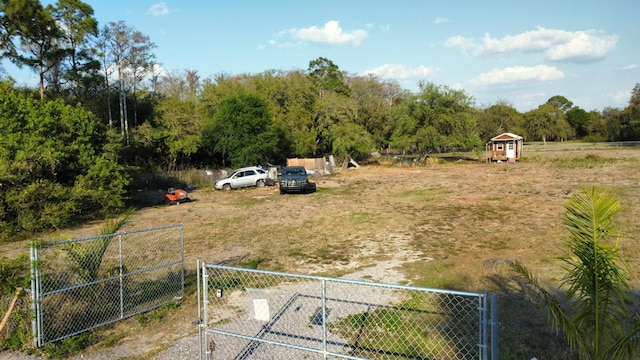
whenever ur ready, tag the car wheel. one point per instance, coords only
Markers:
(260, 183)
(226, 187)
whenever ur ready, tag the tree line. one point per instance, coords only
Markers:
(103, 112)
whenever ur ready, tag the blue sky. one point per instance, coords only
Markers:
(523, 52)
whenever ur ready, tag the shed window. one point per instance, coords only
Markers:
(500, 146)
(510, 146)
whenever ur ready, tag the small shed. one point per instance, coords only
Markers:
(504, 147)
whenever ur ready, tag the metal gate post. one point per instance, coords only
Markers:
(34, 296)
(484, 326)
(494, 327)
(205, 304)
(121, 277)
(199, 318)
(324, 319)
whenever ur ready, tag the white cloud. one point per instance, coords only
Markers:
(158, 9)
(441, 20)
(556, 45)
(330, 33)
(620, 98)
(278, 44)
(508, 75)
(629, 67)
(401, 72)
(460, 42)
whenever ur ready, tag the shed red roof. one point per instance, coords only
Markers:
(507, 136)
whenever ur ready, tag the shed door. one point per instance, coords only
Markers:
(511, 150)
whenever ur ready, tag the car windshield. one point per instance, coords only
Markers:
(295, 171)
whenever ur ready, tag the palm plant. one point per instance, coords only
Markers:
(88, 257)
(596, 322)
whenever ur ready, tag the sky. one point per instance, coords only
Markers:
(519, 52)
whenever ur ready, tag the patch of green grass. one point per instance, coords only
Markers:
(252, 263)
(157, 315)
(496, 244)
(113, 339)
(420, 194)
(588, 161)
(70, 346)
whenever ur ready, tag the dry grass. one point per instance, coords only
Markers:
(438, 224)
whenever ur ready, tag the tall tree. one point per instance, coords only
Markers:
(547, 122)
(39, 37)
(578, 120)
(79, 27)
(497, 119)
(131, 54)
(435, 119)
(327, 76)
(633, 115)
(241, 131)
(560, 102)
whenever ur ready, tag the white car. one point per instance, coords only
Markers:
(244, 177)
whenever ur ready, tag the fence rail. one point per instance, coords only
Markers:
(254, 314)
(81, 284)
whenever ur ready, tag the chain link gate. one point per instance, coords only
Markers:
(81, 284)
(255, 314)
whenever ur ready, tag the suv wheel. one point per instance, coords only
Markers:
(226, 187)
(260, 183)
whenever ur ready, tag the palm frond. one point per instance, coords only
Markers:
(595, 276)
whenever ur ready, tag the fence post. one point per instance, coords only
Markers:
(484, 326)
(34, 295)
(494, 327)
(205, 304)
(324, 319)
(182, 258)
(199, 321)
(121, 277)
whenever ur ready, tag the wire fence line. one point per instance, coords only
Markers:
(574, 145)
(81, 284)
(254, 314)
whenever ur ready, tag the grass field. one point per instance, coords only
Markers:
(432, 226)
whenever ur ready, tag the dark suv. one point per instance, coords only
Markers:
(295, 179)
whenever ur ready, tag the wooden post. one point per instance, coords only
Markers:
(13, 303)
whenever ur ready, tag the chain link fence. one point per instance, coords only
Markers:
(253, 314)
(81, 284)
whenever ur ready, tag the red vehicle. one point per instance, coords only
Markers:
(175, 196)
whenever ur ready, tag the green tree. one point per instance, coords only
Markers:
(596, 321)
(130, 51)
(327, 77)
(374, 99)
(596, 128)
(38, 34)
(578, 120)
(560, 102)
(632, 115)
(58, 166)
(498, 119)
(78, 72)
(241, 132)
(436, 119)
(547, 122)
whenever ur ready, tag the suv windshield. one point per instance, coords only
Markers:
(295, 171)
